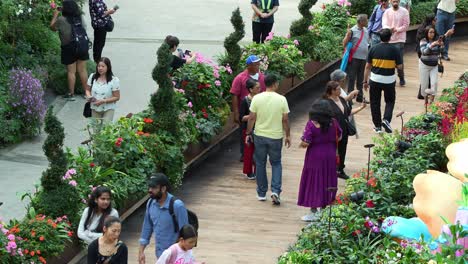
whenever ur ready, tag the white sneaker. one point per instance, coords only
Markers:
(309, 218)
(261, 198)
(429, 91)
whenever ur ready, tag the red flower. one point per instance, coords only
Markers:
(140, 133)
(370, 204)
(207, 85)
(366, 224)
(184, 83)
(92, 165)
(147, 120)
(356, 232)
(70, 233)
(205, 114)
(33, 233)
(38, 252)
(41, 238)
(41, 259)
(26, 251)
(372, 182)
(118, 142)
(32, 253)
(200, 86)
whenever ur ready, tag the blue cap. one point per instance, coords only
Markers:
(251, 59)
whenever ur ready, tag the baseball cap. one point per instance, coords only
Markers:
(158, 179)
(251, 59)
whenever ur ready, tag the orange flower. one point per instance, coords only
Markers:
(33, 233)
(26, 251)
(32, 253)
(147, 120)
(146, 134)
(38, 252)
(41, 238)
(54, 225)
(140, 133)
(41, 259)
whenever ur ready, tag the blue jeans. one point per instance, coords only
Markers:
(444, 22)
(374, 39)
(272, 148)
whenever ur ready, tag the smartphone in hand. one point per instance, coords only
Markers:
(116, 7)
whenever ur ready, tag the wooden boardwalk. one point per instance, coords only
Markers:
(234, 226)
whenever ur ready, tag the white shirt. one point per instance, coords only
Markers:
(448, 6)
(102, 91)
(86, 233)
(183, 257)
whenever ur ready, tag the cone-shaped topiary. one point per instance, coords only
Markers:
(56, 198)
(162, 102)
(233, 49)
(300, 26)
(53, 149)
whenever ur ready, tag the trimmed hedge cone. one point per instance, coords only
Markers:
(233, 49)
(300, 26)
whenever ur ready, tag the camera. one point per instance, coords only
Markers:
(187, 52)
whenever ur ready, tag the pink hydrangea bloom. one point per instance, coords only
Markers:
(296, 42)
(270, 36)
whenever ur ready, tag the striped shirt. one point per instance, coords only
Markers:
(384, 58)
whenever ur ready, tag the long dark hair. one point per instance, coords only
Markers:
(426, 33)
(93, 207)
(321, 112)
(71, 11)
(109, 73)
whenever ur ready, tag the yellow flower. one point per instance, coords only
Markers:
(432, 262)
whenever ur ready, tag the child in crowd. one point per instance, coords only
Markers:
(181, 252)
(249, 165)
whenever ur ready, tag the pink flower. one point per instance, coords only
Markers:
(348, 13)
(73, 183)
(285, 46)
(194, 115)
(348, 3)
(218, 83)
(53, 5)
(11, 237)
(190, 104)
(311, 27)
(288, 36)
(216, 74)
(296, 42)
(66, 177)
(12, 245)
(270, 36)
(84, 201)
(72, 171)
(228, 69)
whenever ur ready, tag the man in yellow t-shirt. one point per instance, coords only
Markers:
(269, 112)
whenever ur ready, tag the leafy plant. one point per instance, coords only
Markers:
(233, 50)
(300, 27)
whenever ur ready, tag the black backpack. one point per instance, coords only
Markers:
(79, 37)
(192, 217)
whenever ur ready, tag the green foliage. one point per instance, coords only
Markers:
(53, 149)
(300, 26)
(462, 8)
(362, 7)
(233, 50)
(280, 55)
(162, 102)
(420, 11)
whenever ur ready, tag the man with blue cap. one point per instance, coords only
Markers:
(239, 90)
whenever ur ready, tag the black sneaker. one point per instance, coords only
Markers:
(342, 175)
(251, 176)
(446, 57)
(378, 130)
(69, 97)
(386, 126)
(402, 82)
(241, 159)
(275, 199)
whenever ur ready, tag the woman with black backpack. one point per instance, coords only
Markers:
(74, 43)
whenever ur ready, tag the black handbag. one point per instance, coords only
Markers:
(87, 110)
(109, 25)
(351, 128)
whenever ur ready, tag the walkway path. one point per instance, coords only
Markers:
(234, 226)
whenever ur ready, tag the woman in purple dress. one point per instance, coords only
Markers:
(319, 178)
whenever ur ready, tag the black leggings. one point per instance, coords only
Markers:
(99, 42)
(260, 31)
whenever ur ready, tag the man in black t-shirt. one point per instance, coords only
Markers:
(382, 60)
(263, 19)
(178, 61)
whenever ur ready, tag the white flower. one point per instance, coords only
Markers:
(29, 10)
(21, 11)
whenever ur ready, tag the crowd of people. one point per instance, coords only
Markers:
(262, 114)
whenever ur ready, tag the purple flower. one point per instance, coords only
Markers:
(11, 237)
(73, 183)
(190, 104)
(375, 229)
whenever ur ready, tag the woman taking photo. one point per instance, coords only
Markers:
(100, 19)
(108, 249)
(74, 61)
(431, 46)
(319, 180)
(341, 111)
(92, 219)
(103, 91)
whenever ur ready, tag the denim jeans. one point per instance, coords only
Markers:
(444, 22)
(374, 39)
(268, 147)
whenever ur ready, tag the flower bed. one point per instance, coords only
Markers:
(350, 230)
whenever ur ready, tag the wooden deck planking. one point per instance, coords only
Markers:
(234, 226)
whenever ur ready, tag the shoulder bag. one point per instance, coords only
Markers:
(440, 66)
(87, 106)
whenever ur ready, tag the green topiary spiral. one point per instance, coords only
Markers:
(53, 149)
(162, 102)
(300, 26)
(233, 49)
